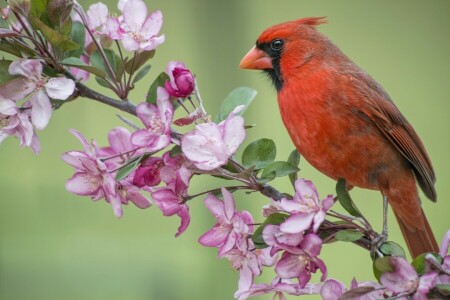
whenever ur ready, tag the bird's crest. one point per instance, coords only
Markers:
(312, 21)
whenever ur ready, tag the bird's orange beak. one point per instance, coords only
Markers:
(256, 59)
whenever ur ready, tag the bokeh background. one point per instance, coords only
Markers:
(54, 245)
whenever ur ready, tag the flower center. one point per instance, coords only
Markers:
(4, 121)
(157, 125)
(137, 36)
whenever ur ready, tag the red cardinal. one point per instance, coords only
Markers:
(344, 123)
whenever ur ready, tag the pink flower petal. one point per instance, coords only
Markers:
(113, 30)
(164, 106)
(169, 70)
(8, 107)
(233, 133)
(402, 279)
(129, 43)
(245, 279)
(134, 14)
(41, 110)
(144, 137)
(138, 199)
(183, 213)
(82, 139)
(307, 191)
(84, 184)
(289, 266)
(146, 112)
(297, 223)
(445, 244)
(167, 201)
(60, 88)
(116, 205)
(152, 24)
(228, 200)
(216, 207)
(152, 43)
(214, 237)
(97, 15)
(332, 289)
(17, 89)
(29, 68)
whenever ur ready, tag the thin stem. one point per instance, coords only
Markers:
(200, 101)
(122, 83)
(238, 187)
(110, 70)
(131, 72)
(128, 122)
(131, 152)
(179, 101)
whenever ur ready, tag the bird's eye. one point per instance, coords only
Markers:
(277, 44)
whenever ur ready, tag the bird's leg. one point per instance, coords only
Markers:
(382, 238)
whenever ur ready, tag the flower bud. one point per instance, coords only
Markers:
(21, 7)
(182, 82)
(58, 11)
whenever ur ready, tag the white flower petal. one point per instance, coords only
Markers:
(41, 110)
(60, 88)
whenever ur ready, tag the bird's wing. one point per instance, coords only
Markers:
(397, 129)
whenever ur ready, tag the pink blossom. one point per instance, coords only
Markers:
(246, 262)
(305, 209)
(210, 145)
(92, 178)
(333, 289)
(147, 174)
(280, 240)
(279, 287)
(182, 82)
(231, 225)
(137, 31)
(404, 279)
(120, 149)
(15, 123)
(304, 261)
(40, 88)
(445, 278)
(171, 200)
(157, 120)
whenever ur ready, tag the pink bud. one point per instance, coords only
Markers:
(182, 82)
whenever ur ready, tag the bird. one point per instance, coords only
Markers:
(345, 124)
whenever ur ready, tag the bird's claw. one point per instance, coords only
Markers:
(378, 242)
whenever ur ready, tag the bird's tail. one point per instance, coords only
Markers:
(418, 239)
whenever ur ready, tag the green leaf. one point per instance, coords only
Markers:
(56, 39)
(392, 249)
(176, 150)
(345, 199)
(141, 73)
(139, 60)
(10, 48)
(281, 169)
(103, 82)
(274, 219)
(268, 176)
(129, 166)
(121, 69)
(78, 63)
(419, 262)
(38, 7)
(159, 82)
(97, 60)
(259, 153)
(4, 73)
(444, 289)
(382, 265)
(239, 96)
(78, 35)
(294, 159)
(348, 235)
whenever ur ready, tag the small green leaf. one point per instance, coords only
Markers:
(268, 176)
(111, 56)
(345, 199)
(382, 265)
(281, 168)
(348, 235)
(294, 159)
(274, 219)
(444, 289)
(176, 150)
(103, 82)
(159, 82)
(121, 69)
(141, 73)
(392, 249)
(78, 63)
(259, 153)
(38, 7)
(56, 39)
(129, 166)
(10, 48)
(356, 292)
(139, 60)
(419, 262)
(239, 96)
(78, 35)
(4, 73)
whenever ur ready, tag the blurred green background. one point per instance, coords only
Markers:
(54, 245)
